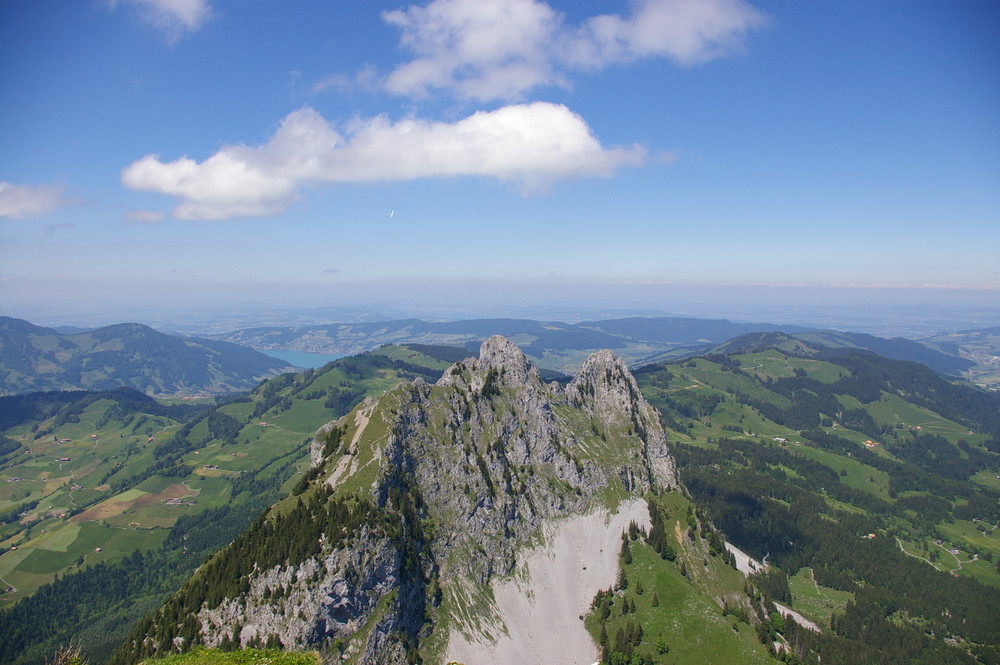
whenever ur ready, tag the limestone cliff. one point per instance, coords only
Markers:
(420, 502)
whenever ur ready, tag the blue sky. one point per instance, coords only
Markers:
(185, 149)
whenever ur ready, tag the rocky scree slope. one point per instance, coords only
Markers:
(416, 502)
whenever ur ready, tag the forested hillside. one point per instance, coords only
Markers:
(870, 486)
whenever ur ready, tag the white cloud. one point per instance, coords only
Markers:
(686, 31)
(173, 17)
(500, 49)
(531, 145)
(142, 217)
(19, 201)
(484, 49)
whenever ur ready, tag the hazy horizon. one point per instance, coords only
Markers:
(907, 312)
(199, 149)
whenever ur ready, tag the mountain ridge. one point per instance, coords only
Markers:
(461, 474)
(34, 358)
(638, 340)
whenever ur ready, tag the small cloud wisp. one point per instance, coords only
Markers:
(22, 201)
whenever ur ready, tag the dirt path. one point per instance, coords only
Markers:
(993, 527)
(745, 563)
(903, 550)
(953, 571)
(6, 585)
(957, 560)
(789, 613)
(72, 488)
(819, 591)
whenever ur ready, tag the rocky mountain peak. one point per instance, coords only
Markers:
(499, 360)
(498, 351)
(421, 499)
(605, 387)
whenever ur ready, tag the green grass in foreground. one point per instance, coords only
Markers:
(204, 656)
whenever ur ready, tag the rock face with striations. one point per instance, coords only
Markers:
(422, 501)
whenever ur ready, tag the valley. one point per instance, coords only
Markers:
(791, 450)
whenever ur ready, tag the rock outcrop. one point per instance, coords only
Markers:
(463, 477)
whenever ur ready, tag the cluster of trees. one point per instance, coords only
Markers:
(622, 647)
(287, 537)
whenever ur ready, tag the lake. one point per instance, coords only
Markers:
(302, 358)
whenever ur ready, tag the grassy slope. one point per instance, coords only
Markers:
(684, 382)
(688, 610)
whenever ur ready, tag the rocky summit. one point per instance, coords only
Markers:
(431, 518)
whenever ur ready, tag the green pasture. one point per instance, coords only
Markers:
(691, 622)
(58, 538)
(305, 417)
(964, 533)
(239, 410)
(776, 365)
(407, 354)
(37, 562)
(719, 377)
(859, 476)
(815, 601)
(988, 478)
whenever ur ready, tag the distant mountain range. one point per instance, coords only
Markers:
(563, 346)
(552, 344)
(33, 358)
